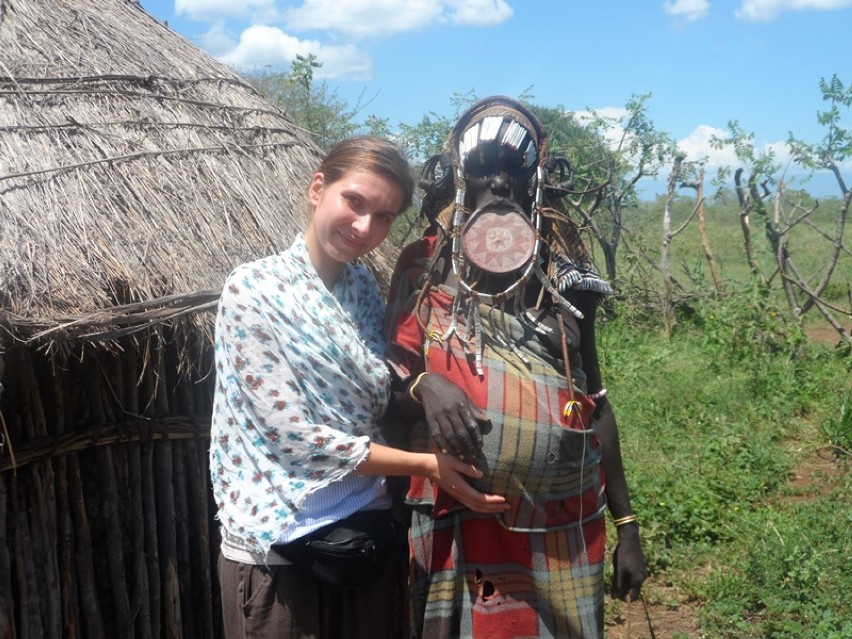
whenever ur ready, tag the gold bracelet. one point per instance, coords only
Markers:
(623, 521)
(411, 388)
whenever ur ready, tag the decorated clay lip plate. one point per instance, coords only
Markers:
(498, 242)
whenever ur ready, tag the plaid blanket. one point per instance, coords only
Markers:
(537, 570)
(471, 577)
(545, 463)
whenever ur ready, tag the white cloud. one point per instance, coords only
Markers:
(364, 18)
(768, 10)
(269, 46)
(687, 10)
(480, 13)
(199, 9)
(268, 42)
(216, 40)
(697, 147)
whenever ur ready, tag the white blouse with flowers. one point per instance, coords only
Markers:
(300, 385)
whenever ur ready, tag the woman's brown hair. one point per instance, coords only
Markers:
(369, 153)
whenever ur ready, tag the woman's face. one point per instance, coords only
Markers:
(351, 217)
(497, 173)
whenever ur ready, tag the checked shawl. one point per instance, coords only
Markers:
(537, 570)
(547, 465)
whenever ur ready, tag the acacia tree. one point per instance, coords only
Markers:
(314, 106)
(692, 177)
(426, 138)
(753, 182)
(756, 185)
(668, 235)
(835, 148)
(681, 172)
(620, 152)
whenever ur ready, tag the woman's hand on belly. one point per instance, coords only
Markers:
(455, 422)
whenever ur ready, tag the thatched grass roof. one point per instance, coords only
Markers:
(135, 171)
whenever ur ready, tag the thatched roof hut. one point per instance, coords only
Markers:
(135, 173)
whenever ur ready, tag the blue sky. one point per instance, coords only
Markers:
(703, 62)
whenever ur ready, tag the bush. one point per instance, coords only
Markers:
(838, 430)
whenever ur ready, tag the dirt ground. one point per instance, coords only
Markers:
(667, 613)
(824, 333)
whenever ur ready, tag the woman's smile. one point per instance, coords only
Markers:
(351, 217)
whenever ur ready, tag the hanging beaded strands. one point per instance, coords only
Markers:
(488, 246)
(493, 243)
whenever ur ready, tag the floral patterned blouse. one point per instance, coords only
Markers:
(300, 385)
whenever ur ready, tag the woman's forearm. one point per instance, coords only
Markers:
(448, 472)
(384, 460)
(617, 493)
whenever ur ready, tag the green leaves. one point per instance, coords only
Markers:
(315, 107)
(836, 146)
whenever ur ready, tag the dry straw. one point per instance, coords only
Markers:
(133, 168)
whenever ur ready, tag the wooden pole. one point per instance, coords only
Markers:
(140, 604)
(42, 515)
(42, 501)
(92, 620)
(30, 613)
(183, 533)
(149, 496)
(164, 482)
(164, 479)
(7, 601)
(181, 403)
(65, 525)
(152, 544)
(202, 550)
(109, 506)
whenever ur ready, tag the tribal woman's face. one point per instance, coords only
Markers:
(496, 175)
(498, 238)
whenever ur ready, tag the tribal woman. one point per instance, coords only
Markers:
(491, 327)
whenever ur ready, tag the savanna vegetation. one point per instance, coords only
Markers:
(736, 423)
(737, 432)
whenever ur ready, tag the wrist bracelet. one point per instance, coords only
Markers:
(411, 388)
(598, 395)
(623, 521)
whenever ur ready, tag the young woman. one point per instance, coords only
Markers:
(301, 385)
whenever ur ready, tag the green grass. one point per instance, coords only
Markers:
(714, 421)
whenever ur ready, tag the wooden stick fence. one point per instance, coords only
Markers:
(106, 523)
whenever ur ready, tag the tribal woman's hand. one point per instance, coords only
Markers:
(454, 421)
(628, 564)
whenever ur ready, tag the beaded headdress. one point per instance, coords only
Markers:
(539, 244)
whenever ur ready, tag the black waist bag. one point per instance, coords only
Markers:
(350, 553)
